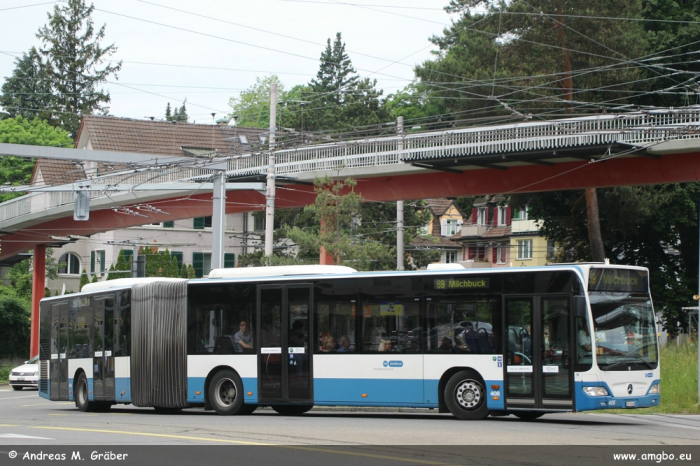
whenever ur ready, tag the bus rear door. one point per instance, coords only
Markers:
(103, 361)
(59, 356)
(284, 358)
(537, 354)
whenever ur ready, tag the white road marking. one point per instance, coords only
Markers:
(23, 436)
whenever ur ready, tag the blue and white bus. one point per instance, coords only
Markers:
(521, 341)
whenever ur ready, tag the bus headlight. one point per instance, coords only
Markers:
(595, 391)
(654, 390)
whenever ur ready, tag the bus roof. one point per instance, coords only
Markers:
(281, 270)
(126, 282)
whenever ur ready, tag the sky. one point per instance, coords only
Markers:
(208, 51)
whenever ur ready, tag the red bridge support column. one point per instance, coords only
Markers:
(39, 277)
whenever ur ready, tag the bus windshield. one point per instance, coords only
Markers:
(625, 332)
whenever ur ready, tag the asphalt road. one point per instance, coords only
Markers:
(393, 436)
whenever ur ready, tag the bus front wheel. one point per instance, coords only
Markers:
(465, 396)
(82, 400)
(226, 393)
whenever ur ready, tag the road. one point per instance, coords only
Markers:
(28, 420)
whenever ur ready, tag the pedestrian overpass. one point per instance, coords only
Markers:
(660, 146)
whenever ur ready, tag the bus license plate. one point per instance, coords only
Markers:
(630, 404)
(20, 379)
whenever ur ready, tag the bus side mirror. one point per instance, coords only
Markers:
(580, 306)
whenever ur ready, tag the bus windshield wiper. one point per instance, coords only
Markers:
(634, 360)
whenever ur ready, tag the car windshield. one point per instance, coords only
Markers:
(625, 332)
(34, 360)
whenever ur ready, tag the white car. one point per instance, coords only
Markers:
(26, 375)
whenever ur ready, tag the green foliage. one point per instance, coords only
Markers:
(190, 272)
(15, 316)
(27, 93)
(73, 63)
(258, 259)
(19, 130)
(94, 279)
(122, 269)
(21, 277)
(180, 114)
(84, 280)
(184, 271)
(505, 66)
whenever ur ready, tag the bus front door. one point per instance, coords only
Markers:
(103, 361)
(284, 358)
(59, 356)
(537, 368)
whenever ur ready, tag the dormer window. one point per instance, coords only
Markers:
(481, 217)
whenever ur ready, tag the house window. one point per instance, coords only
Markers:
(97, 262)
(502, 215)
(259, 222)
(202, 222)
(201, 262)
(450, 257)
(525, 249)
(169, 224)
(69, 263)
(450, 227)
(521, 214)
(502, 254)
(481, 218)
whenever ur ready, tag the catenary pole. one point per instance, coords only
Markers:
(270, 192)
(399, 205)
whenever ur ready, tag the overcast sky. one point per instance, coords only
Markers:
(209, 50)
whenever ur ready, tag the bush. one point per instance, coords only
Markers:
(15, 325)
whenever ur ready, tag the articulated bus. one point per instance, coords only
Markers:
(478, 342)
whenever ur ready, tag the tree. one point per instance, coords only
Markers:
(84, 280)
(73, 63)
(21, 276)
(15, 316)
(122, 269)
(180, 114)
(27, 92)
(19, 130)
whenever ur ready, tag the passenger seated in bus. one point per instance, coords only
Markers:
(344, 345)
(446, 345)
(384, 346)
(243, 339)
(328, 344)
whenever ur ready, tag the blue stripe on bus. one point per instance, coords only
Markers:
(122, 384)
(369, 391)
(196, 384)
(588, 403)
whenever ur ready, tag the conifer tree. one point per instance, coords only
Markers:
(27, 92)
(84, 280)
(74, 63)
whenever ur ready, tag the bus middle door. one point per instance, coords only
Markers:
(284, 360)
(59, 355)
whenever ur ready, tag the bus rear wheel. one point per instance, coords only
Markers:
(292, 410)
(82, 398)
(226, 393)
(465, 396)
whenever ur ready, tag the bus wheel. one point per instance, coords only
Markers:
(226, 393)
(528, 415)
(465, 396)
(292, 410)
(247, 409)
(82, 400)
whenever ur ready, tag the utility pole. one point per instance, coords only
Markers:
(399, 204)
(270, 191)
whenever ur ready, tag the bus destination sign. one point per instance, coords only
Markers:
(461, 283)
(618, 280)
